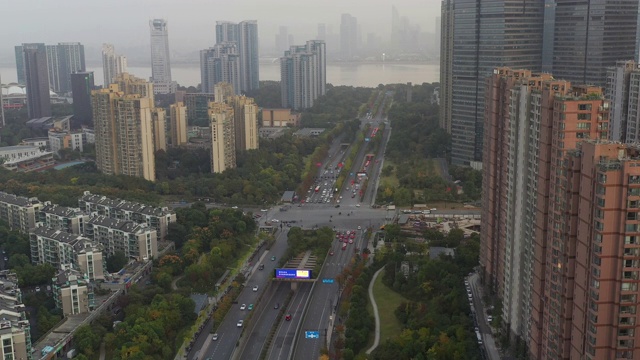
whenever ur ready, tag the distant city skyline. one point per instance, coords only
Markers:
(130, 35)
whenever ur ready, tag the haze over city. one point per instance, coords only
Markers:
(192, 22)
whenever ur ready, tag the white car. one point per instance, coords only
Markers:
(359, 227)
(234, 207)
(255, 288)
(214, 337)
(243, 306)
(240, 322)
(357, 205)
(275, 220)
(489, 318)
(37, 288)
(264, 210)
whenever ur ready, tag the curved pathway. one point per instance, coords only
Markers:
(376, 340)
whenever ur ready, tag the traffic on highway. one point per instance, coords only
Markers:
(285, 320)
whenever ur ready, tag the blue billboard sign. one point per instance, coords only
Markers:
(311, 334)
(293, 274)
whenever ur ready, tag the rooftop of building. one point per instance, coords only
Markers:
(434, 252)
(125, 205)
(19, 148)
(309, 132)
(75, 240)
(122, 225)
(68, 276)
(61, 210)
(18, 200)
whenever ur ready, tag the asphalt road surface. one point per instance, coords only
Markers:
(285, 333)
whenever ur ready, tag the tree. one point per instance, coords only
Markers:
(116, 262)
(87, 340)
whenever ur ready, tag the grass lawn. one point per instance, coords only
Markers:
(391, 180)
(387, 301)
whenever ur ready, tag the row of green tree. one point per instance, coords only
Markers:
(317, 241)
(436, 318)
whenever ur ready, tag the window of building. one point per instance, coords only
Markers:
(584, 106)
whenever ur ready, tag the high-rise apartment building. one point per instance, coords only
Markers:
(133, 239)
(223, 92)
(245, 112)
(510, 186)
(533, 216)
(220, 63)
(245, 35)
(348, 37)
(70, 220)
(303, 74)
(283, 39)
(446, 64)
(623, 90)
(197, 105)
(34, 59)
(81, 85)
(112, 64)
(159, 125)
(479, 45)
(160, 58)
(590, 36)
(223, 147)
(62, 60)
(178, 117)
(123, 126)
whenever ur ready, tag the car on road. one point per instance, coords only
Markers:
(261, 267)
(240, 323)
(331, 253)
(275, 220)
(350, 241)
(255, 288)
(288, 317)
(243, 306)
(234, 207)
(344, 246)
(264, 210)
(37, 287)
(214, 337)
(276, 306)
(357, 205)
(250, 307)
(338, 205)
(273, 258)
(359, 227)
(489, 318)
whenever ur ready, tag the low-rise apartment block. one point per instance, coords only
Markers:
(135, 240)
(62, 249)
(72, 292)
(19, 212)
(157, 218)
(71, 220)
(15, 331)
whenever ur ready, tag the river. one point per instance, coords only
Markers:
(353, 74)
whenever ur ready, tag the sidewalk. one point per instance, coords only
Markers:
(376, 315)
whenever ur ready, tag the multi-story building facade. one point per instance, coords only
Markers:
(72, 292)
(157, 218)
(178, 128)
(220, 63)
(590, 36)
(123, 126)
(223, 147)
(160, 58)
(135, 240)
(112, 64)
(446, 63)
(15, 330)
(159, 125)
(513, 127)
(19, 212)
(62, 60)
(348, 37)
(61, 249)
(71, 220)
(81, 85)
(60, 139)
(198, 108)
(245, 35)
(623, 89)
(303, 74)
(478, 47)
(245, 115)
(35, 70)
(279, 118)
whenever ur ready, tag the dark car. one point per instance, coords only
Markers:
(276, 306)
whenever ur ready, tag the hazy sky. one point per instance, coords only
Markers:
(191, 22)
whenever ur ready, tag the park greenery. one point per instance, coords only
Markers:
(435, 319)
(413, 172)
(318, 241)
